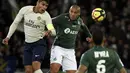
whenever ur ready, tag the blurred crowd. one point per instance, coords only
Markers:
(116, 28)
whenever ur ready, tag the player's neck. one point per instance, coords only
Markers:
(35, 9)
(74, 19)
(99, 45)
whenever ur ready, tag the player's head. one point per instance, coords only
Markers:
(97, 36)
(74, 12)
(42, 5)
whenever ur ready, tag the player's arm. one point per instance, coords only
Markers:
(85, 29)
(122, 70)
(13, 26)
(15, 23)
(119, 64)
(84, 63)
(82, 69)
(50, 26)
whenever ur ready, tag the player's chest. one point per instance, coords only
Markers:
(35, 19)
(69, 27)
(72, 25)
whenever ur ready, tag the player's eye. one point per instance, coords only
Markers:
(45, 5)
(72, 11)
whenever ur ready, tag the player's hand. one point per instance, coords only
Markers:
(47, 33)
(5, 41)
(89, 39)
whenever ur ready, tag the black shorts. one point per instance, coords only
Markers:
(34, 51)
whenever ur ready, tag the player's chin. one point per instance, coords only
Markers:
(42, 11)
(73, 18)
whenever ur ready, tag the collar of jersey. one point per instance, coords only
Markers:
(97, 47)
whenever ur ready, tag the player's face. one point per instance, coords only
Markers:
(42, 6)
(74, 13)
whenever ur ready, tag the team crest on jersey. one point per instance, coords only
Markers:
(38, 18)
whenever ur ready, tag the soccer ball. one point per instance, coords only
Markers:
(98, 14)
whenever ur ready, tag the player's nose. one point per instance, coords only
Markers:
(44, 7)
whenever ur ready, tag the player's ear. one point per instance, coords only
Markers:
(103, 41)
(37, 3)
(79, 12)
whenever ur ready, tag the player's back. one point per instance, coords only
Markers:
(101, 60)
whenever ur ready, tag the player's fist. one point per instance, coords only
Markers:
(47, 33)
(89, 39)
(5, 41)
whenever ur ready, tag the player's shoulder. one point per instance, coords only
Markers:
(88, 52)
(80, 21)
(27, 7)
(62, 16)
(46, 13)
(109, 49)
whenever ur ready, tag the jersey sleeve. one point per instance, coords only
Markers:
(118, 62)
(85, 29)
(49, 24)
(84, 60)
(48, 19)
(16, 21)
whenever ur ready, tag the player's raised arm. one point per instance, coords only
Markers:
(14, 26)
(86, 30)
(50, 26)
(15, 23)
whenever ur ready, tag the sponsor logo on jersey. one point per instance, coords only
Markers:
(30, 23)
(69, 31)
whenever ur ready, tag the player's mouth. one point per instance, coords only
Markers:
(73, 17)
(41, 11)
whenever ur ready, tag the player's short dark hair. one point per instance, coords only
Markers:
(97, 36)
(44, 0)
(76, 6)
